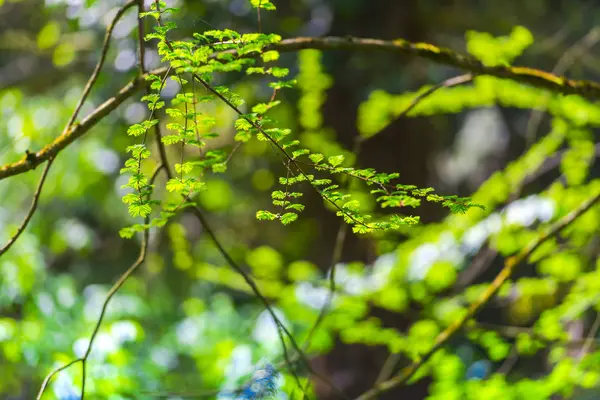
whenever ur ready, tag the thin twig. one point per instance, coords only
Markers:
(454, 81)
(509, 362)
(141, 47)
(575, 52)
(51, 375)
(113, 290)
(451, 82)
(258, 16)
(480, 263)
(591, 337)
(393, 358)
(157, 133)
(506, 272)
(293, 161)
(94, 76)
(31, 211)
(335, 259)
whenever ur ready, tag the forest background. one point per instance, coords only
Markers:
(432, 234)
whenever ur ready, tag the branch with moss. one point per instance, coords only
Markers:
(525, 75)
(529, 76)
(507, 271)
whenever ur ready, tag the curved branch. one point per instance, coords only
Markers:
(113, 290)
(506, 272)
(105, 46)
(51, 375)
(31, 211)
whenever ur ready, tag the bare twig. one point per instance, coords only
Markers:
(509, 362)
(31, 211)
(564, 63)
(390, 363)
(113, 290)
(51, 375)
(591, 337)
(388, 367)
(451, 82)
(94, 76)
(141, 47)
(479, 264)
(258, 16)
(454, 81)
(509, 267)
(335, 259)
(122, 279)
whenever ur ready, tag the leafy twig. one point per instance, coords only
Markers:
(157, 134)
(246, 276)
(450, 82)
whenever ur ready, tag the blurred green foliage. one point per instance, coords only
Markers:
(187, 322)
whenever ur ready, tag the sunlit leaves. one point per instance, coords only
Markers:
(154, 102)
(140, 129)
(139, 209)
(576, 161)
(265, 216)
(288, 218)
(266, 4)
(494, 51)
(316, 158)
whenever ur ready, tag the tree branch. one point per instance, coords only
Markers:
(49, 151)
(529, 76)
(526, 75)
(506, 272)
